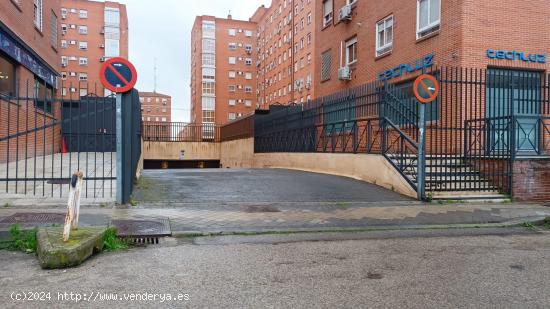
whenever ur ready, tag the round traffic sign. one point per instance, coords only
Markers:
(118, 75)
(426, 88)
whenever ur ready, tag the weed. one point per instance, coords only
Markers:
(102, 205)
(429, 197)
(342, 205)
(133, 202)
(24, 241)
(528, 225)
(546, 223)
(112, 243)
(7, 205)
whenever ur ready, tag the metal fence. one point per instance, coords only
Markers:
(482, 120)
(180, 132)
(238, 129)
(44, 139)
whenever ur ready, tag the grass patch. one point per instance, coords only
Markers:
(529, 226)
(21, 240)
(111, 242)
(7, 205)
(133, 202)
(546, 223)
(342, 205)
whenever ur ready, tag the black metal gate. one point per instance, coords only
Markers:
(45, 138)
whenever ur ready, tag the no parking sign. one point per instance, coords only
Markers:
(118, 75)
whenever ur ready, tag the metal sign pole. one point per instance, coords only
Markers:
(421, 181)
(119, 188)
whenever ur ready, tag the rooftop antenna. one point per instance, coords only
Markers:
(155, 76)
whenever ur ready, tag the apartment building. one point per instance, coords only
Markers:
(91, 32)
(223, 78)
(29, 66)
(155, 107)
(360, 41)
(285, 40)
(28, 46)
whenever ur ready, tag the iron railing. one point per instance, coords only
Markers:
(180, 132)
(238, 129)
(44, 139)
(482, 120)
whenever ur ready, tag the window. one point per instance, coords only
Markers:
(384, 36)
(208, 46)
(407, 101)
(7, 77)
(248, 103)
(428, 17)
(232, 88)
(43, 94)
(232, 60)
(83, 92)
(208, 103)
(232, 102)
(248, 33)
(248, 89)
(83, 14)
(112, 48)
(327, 12)
(83, 29)
(38, 14)
(53, 30)
(248, 75)
(232, 32)
(83, 61)
(351, 51)
(208, 88)
(231, 116)
(112, 16)
(232, 74)
(208, 117)
(232, 46)
(83, 45)
(208, 73)
(83, 76)
(208, 60)
(326, 65)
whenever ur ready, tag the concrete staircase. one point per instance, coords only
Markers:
(449, 179)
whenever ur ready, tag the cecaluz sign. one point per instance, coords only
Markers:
(407, 68)
(515, 56)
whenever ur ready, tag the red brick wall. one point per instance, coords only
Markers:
(531, 181)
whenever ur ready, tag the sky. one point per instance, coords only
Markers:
(161, 30)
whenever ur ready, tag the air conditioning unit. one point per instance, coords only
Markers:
(102, 59)
(102, 46)
(102, 31)
(64, 32)
(63, 65)
(63, 16)
(344, 73)
(345, 12)
(308, 85)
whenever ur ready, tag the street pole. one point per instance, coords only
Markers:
(421, 180)
(119, 188)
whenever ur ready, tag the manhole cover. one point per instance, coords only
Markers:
(262, 208)
(142, 228)
(59, 181)
(43, 218)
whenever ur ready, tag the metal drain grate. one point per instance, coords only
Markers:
(142, 232)
(34, 218)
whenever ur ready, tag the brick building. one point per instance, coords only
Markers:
(223, 77)
(379, 39)
(91, 32)
(286, 40)
(29, 66)
(495, 116)
(155, 107)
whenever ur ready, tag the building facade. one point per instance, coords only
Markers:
(91, 32)
(155, 107)
(360, 41)
(223, 77)
(286, 40)
(29, 66)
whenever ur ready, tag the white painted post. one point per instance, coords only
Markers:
(73, 205)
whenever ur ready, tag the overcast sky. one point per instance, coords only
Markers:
(161, 29)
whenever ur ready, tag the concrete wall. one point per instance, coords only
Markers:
(238, 153)
(173, 151)
(370, 168)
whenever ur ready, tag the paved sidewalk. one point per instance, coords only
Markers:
(285, 217)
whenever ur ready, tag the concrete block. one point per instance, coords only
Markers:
(53, 253)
